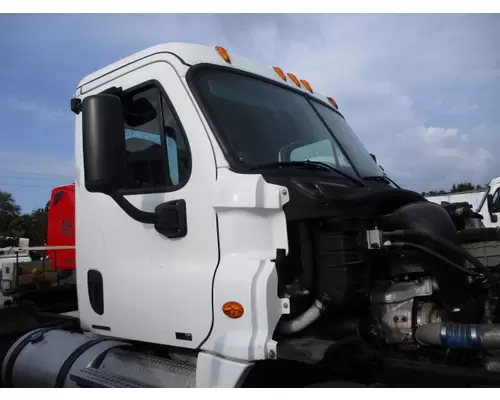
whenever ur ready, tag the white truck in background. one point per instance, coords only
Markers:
(485, 202)
(473, 197)
(9, 254)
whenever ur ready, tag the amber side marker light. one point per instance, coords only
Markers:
(223, 53)
(333, 102)
(280, 72)
(294, 79)
(306, 85)
(233, 309)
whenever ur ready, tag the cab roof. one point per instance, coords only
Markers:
(193, 54)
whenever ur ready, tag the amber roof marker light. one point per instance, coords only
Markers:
(294, 79)
(280, 72)
(223, 53)
(306, 85)
(333, 102)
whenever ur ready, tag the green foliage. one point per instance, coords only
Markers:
(9, 211)
(456, 188)
(13, 223)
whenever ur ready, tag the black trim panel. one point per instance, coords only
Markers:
(101, 328)
(95, 288)
(183, 336)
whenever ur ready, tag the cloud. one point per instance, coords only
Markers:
(36, 109)
(26, 163)
(29, 176)
(421, 91)
(384, 70)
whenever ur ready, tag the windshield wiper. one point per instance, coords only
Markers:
(307, 164)
(381, 178)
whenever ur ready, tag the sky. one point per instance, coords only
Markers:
(422, 91)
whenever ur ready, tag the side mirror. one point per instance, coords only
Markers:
(374, 157)
(489, 204)
(104, 151)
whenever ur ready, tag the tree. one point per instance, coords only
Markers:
(9, 211)
(29, 225)
(38, 227)
(456, 188)
(462, 187)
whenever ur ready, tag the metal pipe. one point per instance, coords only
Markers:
(459, 336)
(304, 320)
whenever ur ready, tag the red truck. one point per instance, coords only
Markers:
(61, 227)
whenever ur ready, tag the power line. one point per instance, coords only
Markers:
(30, 178)
(35, 173)
(17, 185)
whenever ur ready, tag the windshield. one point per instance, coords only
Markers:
(260, 123)
(361, 158)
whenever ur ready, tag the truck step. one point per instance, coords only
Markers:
(95, 378)
(123, 368)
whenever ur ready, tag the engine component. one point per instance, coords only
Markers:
(463, 215)
(427, 313)
(459, 336)
(487, 252)
(459, 252)
(492, 364)
(432, 219)
(343, 271)
(393, 306)
(45, 357)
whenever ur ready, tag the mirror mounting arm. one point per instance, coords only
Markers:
(132, 211)
(169, 219)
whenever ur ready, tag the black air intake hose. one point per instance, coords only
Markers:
(432, 220)
(476, 235)
(411, 235)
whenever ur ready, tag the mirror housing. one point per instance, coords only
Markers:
(489, 204)
(104, 151)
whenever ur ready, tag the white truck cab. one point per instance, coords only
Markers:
(232, 230)
(489, 206)
(199, 260)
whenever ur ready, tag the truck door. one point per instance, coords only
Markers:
(139, 284)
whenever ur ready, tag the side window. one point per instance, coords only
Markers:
(158, 156)
(496, 202)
